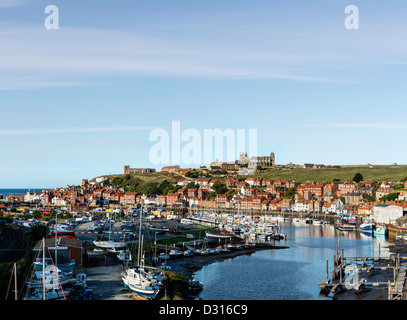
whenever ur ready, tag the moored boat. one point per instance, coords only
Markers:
(380, 231)
(109, 244)
(366, 227)
(175, 253)
(195, 285)
(64, 267)
(218, 236)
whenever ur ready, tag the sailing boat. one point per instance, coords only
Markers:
(138, 279)
(109, 244)
(50, 283)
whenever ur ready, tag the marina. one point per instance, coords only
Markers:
(310, 249)
(225, 256)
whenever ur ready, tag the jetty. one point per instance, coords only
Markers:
(364, 274)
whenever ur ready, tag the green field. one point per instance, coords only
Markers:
(344, 173)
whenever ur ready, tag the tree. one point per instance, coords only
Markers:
(390, 197)
(358, 177)
(190, 185)
(290, 193)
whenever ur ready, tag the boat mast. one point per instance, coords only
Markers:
(15, 281)
(43, 268)
(56, 237)
(139, 237)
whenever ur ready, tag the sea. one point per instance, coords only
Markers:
(286, 274)
(17, 192)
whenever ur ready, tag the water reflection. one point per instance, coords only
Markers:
(292, 273)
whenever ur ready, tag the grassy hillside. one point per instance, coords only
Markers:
(164, 182)
(144, 183)
(369, 172)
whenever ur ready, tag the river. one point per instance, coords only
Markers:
(286, 274)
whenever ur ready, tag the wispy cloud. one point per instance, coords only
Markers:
(35, 58)
(232, 48)
(357, 125)
(16, 132)
(11, 3)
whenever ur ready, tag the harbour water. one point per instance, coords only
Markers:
(286, 274)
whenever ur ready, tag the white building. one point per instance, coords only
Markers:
(32, 197)
(383, 213)
(403, 196)
(301, 205)
(336, 207)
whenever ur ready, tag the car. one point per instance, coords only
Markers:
(88, 294)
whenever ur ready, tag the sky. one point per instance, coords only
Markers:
(82, 100)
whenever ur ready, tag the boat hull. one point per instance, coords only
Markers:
(366, 227)
(380, 232)
(67, 267)
(109, 244)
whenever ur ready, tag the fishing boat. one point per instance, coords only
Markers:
(366, 227)
(380, 231)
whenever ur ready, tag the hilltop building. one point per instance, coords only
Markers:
(128, 170)
(264, 161)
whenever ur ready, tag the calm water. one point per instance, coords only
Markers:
(285, 274)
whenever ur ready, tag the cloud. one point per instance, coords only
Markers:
(33, 57)
(357, 125)
(11, 3)
(16, 132)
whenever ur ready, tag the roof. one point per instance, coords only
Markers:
(62, 241)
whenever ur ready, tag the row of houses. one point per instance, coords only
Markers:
(254, 194)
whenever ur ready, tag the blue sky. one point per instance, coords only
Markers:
(81, 101)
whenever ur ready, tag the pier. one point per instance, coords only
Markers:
(360, 274)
